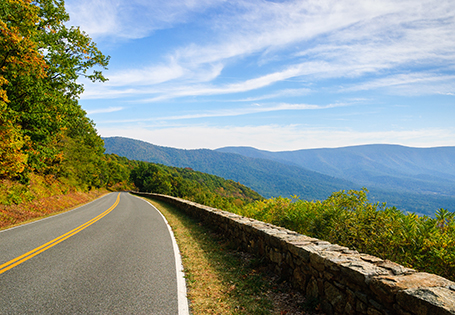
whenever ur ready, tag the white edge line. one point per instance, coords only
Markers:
(181, 284)
(55, 215)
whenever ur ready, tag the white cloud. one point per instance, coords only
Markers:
(95, 17)
(101, 91)
(146, 76)
(405, 80)
(258, 25)
(239, 87)
(254, 109)
(132, 19)
(284, 92)
(332, 39)
(104, 110)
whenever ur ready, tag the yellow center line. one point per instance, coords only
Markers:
(19, 260)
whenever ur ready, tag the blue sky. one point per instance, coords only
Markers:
(275, 75)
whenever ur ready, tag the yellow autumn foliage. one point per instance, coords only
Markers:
(12, 159)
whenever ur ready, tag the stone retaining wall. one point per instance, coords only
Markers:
(343, 280)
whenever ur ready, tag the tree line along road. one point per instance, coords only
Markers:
(115, 255)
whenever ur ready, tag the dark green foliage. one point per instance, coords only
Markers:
(185, 183)
(43, 127)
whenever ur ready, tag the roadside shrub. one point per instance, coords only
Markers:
(347, 218)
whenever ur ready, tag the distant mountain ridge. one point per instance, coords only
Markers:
(390, 167)
(269, 178)
(412, 179)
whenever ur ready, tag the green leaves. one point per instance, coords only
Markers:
(203, 188)
(347, 218)
(70, 53)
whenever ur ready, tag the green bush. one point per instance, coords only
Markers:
(347, 218)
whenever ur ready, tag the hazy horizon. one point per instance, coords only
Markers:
(316, 148)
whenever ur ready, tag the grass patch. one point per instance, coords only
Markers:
(14, 215)
(222, 279)
(42, 197)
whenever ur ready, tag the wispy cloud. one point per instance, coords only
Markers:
(313, 40)
(146, 76)
(404, 80)
(373, 35)
(255, 109)
(182, 90)
(132, 19)
(228, 112)
(281, 93)
(104, 110)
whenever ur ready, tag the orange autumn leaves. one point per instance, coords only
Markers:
(19, 56)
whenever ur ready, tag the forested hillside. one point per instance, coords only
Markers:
(269, 178)
(46, 137)
(191, 185)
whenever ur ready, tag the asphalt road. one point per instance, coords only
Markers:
(118, 258)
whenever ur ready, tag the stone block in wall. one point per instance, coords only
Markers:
(299, 279)
(360, 272)
(388, 286)
(275, 256)
(361, 307)
(317, 261)
(312, 289)
(373, 311)
(303, 252)
(395, 268)
(333, 261)
(298, 243)
(428, 301)
(335, 297)
(350, 301)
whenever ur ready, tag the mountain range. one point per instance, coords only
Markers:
(418, 180)
(389, 167)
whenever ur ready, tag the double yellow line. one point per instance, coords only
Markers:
(19, 260)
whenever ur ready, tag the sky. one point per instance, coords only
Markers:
(275, 75)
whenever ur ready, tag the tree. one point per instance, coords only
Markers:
(20, 62)
(40, 61)
(151, 178)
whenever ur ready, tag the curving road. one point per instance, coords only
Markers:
(115, 255)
